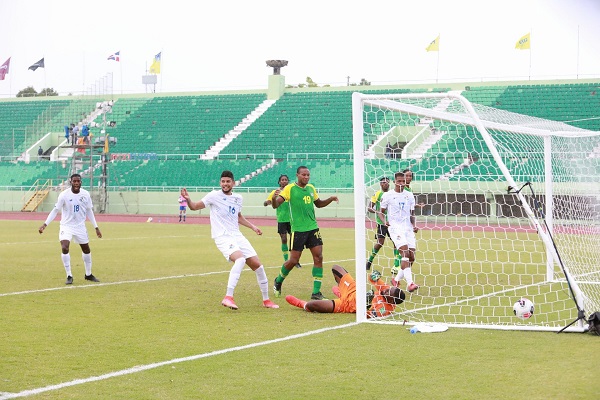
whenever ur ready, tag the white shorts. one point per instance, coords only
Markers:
(78, 235)
(230, 244)
(402, 237)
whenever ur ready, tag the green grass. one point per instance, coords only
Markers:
(159, 300)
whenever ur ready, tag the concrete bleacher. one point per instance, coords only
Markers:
(306, 124)
(177, 124)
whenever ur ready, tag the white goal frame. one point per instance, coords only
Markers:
(482, 122)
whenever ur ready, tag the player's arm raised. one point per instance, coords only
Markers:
(324, 203)
(193, 205)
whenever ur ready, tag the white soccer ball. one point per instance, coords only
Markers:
(523, 308)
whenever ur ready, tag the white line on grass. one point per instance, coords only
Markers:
(147, 367)
(161, 278)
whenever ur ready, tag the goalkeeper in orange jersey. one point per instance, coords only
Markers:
(383, 303)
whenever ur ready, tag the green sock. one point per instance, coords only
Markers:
(317, 274)
(283, 273)
(396, 258)
(373, 254)
(285, 251)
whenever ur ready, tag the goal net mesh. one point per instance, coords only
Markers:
(482, 246)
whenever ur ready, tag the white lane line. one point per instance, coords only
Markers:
(140, 368)
(162, 278)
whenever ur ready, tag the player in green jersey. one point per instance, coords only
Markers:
(283, 218)
(303, 198)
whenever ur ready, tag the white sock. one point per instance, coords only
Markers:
(66, 260)
(408, 275)
(87, 262)
(399, 275)
(263, 282)
(234, 275)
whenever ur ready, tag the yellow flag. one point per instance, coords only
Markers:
(105, 144)
(434, 45)
(155, 67)
(524, 43)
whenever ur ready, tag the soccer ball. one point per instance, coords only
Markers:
(523, 308)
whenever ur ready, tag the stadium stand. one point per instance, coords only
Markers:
(311, 127)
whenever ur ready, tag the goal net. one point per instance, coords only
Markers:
(508, 207)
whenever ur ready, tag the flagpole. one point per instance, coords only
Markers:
(437, 71)
(530, 30)
(45, 82)
(577, 76)
(121, 72)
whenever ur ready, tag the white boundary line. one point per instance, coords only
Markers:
(162, 278)
(147, 367)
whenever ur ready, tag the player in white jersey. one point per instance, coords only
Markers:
(225, 220)
(398, 210)
(75, 205)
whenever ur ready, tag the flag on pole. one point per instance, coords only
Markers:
(434, 45)
(4, 69)
(524, 43)
(155, 67)
(116, 56)
(39, 64)
(105, 150)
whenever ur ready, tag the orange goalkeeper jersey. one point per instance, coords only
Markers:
(379, 307)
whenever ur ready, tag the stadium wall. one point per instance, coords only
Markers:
(165, 203)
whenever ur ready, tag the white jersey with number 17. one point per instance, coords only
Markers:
(399, 207)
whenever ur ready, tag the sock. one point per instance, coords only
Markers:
(317, 274)
(283, 273)
(396, 258)
(66, 259)
(285, 251)
(408, 275)
(183, 217)
(179, 217)
(234, 275)
(87, 262)
(399, 275)
(263, 282)
(373, 254)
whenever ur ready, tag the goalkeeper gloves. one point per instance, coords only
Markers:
(375, 275)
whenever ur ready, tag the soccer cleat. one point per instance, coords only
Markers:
(412, 287)
(277, 288)
(317, 296)
(269, 304)
(228, 302)
(295, 301)
(368, 265)
(336, 291)
(92, 278)
(69, 280)
(298, 265)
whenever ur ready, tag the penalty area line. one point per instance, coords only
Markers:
(141, 368)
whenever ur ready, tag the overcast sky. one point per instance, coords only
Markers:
(217, 45)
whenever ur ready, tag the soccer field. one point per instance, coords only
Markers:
(153, 328)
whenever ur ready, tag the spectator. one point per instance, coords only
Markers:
(85, 133)
(74, 133)
(67, 133)
(40, 153)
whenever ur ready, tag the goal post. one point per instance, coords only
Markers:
(508, 206)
